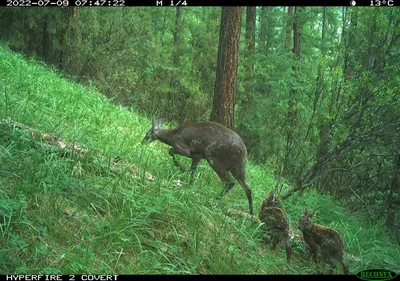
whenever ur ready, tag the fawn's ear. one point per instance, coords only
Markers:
(312, 214)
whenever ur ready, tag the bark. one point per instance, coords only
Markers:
(289, 28)
(263, 29)
(46, 49)
(291, 119)
(324, 128)
(250, 35)
(227, 65)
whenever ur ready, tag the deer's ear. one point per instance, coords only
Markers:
(275, 195)
(157, 123)
(160, 122)
(312, 214)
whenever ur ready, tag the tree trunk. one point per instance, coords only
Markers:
(175, 100)
(289, 28)
(394, 186)
(349, 36)
(177, 38)
(324, 128)
(177, 25)
(250, 37)
(227, 66)
(46, 49)
(72, 20)
(297, 28)
(292, 114)
(292, 103)
(263, 29)
(164, 26)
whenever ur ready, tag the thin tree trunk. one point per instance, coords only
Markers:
(46, 49)
(289, 28)
(250, 37)
(73, 16)
(263, 29)
(292, 104)
(324, 128)
(178, 18)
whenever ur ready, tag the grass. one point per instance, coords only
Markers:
(72, 213)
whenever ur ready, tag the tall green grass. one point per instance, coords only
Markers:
(74, 214)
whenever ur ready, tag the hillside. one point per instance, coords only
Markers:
(104, 203)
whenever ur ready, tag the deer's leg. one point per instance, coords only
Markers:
(328, 259)
(227, 187)
(340, 259)
(193, 167)
(176, 162)
(223, 174)
(313, 252)
(240, 176)
(288, 249)
(345, 267)
(275, 241)
(181, 151)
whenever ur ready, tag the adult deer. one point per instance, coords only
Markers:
(221, 147)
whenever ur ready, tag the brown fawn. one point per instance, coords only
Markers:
(223, 149)
(328, 240)
(276, 222)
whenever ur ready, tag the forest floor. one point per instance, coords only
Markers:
(80, 194)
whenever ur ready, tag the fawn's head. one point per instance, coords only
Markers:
(151, 134)
(271, 200)
(305, 221)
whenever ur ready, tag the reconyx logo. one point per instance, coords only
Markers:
(376, 274)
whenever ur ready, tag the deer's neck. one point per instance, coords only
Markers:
(167, 136)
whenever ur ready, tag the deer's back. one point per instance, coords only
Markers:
(212, 139)
(324, 236)
(274, 218)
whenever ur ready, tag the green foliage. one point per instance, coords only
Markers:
(128, 54)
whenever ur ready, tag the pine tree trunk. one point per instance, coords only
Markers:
(227, 66)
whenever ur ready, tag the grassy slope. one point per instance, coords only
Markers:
(72, 215)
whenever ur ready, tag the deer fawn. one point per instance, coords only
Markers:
(276, 222)
(328, 240)
(221, 147)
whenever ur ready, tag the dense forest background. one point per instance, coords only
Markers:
(317, 96)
